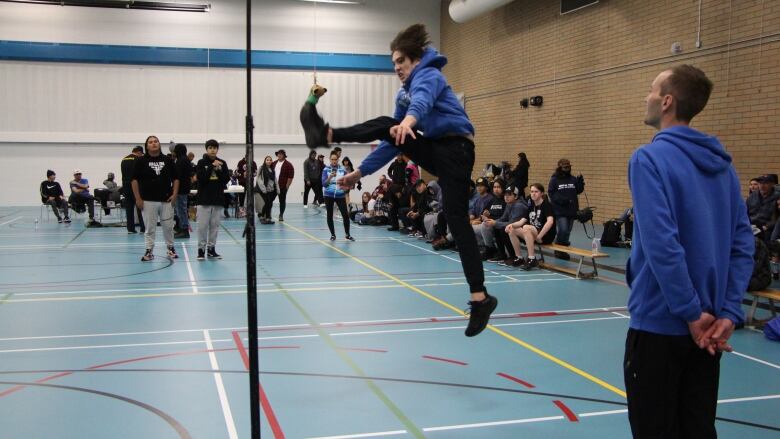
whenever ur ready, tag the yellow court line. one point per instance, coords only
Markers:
(458, 311)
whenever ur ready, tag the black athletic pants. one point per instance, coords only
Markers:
(672, 386)
(131, 209)
(342, 204)
(282, 201)
(449, 158)
(503, 244)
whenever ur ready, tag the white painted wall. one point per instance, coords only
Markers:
(63, 116)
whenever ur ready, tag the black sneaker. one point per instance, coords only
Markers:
(212, 253)
(349, 238)
(93, 223)
(531, 264)
(519, 262)
(499, 257)
(148, 256)
(172, 253)
(393, 229)
(201, 254)
(479, 314)
(280, 219)
(59, 220)
(66, 220)
(332, 237)
(314, 128)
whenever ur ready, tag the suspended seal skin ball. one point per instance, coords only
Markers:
(314, 128)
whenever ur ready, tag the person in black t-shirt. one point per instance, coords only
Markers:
(51, 194)
(127, 165)
(539, 227)
(155, 186)
(185, 171)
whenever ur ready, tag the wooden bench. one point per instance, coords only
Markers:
(771, 296)
(582, 253)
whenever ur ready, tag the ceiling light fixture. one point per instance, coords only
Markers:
(121, 4)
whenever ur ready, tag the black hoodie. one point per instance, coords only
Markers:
(211, 181)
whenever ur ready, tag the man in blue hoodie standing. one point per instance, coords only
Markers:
(690, 264)
(425, 103)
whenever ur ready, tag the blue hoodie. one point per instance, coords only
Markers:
(426, 96)
(692, 248)
(333, 190)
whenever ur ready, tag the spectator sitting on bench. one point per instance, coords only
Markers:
(514, 211)
(80, 196)
(486, 238)
(109, 193)
(539, 227)
(51, 194)
(761, 206)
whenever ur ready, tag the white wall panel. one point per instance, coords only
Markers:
(114, 104)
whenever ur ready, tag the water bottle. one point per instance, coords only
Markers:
(595, 246)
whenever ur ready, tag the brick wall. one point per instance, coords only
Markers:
(594, 67)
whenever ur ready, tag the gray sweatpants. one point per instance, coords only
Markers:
(209, 219)
(158, 211)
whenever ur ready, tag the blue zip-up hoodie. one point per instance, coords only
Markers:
(692, 249)
(333, 190)
(426, 96)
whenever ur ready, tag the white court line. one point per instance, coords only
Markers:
(189, 269)
(228, 415)
(289, 337)
(621, 315)
(9, 222)
(410, 320)
(518, 277)
(517, 421)
(756, 360)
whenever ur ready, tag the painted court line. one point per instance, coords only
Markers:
(285, 337)
(189, 269)
(458, 311)
(571, 417)
(10, 221)
(411, 320)
(223, 401)
(766, 363)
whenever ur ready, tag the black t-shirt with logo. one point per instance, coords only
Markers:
(537, 215)
(155, 177)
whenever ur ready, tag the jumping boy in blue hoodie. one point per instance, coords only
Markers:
(425, 103)
(691, 260)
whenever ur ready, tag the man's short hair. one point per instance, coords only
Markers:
(212, 142)
(691, 90)
(138, 148)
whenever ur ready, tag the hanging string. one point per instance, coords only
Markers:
(314, 54)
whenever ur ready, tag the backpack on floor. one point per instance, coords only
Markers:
(610, 237)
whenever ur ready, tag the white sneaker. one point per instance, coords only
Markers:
(305, 206)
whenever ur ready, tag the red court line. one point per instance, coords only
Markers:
(381, 351)
(515, 379)
(566, 411)
(269, 412)
(446, 360)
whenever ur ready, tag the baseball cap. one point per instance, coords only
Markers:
(281, 151)
(138, 148)
(512, 190)
(483, 181)
(76, 171)
(763, 179)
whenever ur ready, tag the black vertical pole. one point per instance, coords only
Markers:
(251, 263)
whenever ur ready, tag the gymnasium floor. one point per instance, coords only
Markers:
(358, 339)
